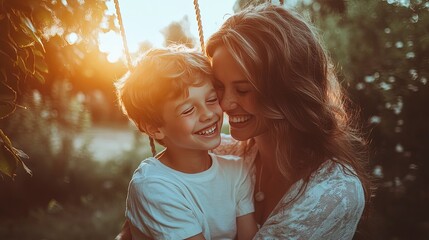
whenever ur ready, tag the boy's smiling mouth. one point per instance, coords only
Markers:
(209, 130)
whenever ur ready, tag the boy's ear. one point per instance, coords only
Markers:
(154, 132)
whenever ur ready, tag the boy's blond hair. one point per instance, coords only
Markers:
(162, 74)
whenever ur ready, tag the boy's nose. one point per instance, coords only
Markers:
(206, 114)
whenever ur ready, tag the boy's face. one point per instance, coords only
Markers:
(193, 122)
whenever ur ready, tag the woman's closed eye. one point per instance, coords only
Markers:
(242, 91)
(212, 100)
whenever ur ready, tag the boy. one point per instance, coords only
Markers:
(184, 192)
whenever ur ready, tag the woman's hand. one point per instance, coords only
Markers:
(125, 233)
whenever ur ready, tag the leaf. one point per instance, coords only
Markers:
(8, 159)
(21, 38)
(30, 63)
(6, 109)
(28, 23)
(7, 100)
(20, 154)
(41, 64)
(27, 170)
(44, 15)
(8, 49)
(5, 61)
(21, 63)
(8, 163)
(39, 77)
(7, 93)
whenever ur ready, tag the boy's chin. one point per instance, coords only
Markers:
(215, 144)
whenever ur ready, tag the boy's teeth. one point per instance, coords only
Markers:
(239, 119)
(208, 131)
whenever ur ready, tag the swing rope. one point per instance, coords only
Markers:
(200, 24)
(124, 37)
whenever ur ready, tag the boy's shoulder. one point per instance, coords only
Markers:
(151, 176)
(149, 168)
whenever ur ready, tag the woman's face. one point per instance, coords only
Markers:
(237, 96)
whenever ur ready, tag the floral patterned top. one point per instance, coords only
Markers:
(330, 207)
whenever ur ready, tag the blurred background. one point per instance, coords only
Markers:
(60, 120)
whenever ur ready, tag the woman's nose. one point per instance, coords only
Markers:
(228, 102)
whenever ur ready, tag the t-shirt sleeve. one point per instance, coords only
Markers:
(329, 211)
(244, 191)
(158, 209)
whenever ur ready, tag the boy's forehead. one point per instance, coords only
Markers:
(199, 80)
(200, 84)
(201, 77)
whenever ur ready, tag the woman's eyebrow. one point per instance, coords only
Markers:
(244, 81)
(211, 91)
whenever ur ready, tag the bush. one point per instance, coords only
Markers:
(69, 191)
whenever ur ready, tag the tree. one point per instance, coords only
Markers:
(26, 30)
(178, 33)
(381, 49)
(22, 59)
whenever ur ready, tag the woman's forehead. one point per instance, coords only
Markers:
(225, 68)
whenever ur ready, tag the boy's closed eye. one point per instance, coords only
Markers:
(187, 111)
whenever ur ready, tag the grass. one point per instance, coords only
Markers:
(92, 219)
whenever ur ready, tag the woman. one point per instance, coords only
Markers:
(285, 106)
(276, 83)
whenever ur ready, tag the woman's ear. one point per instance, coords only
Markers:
(154, 132)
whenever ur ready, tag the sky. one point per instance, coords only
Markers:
(144, 20)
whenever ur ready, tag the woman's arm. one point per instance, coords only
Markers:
(246, 227)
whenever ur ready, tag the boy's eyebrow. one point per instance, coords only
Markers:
(189, 100)
(180, 105)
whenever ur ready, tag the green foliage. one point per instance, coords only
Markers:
(381, 49)
(23, 55)
(242, 4)
(46, 130)
(94, 218)
(178, 33)
(69, 191)
(10, 157)
(21, 59)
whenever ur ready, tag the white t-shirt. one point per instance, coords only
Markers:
(163, 203)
